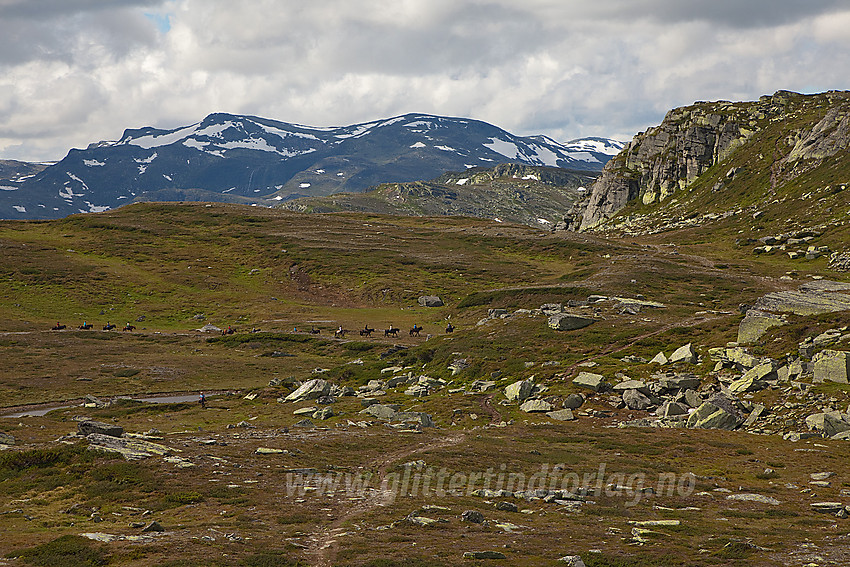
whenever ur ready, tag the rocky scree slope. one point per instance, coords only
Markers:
(720, 159)
(258, 161)
(533, 195)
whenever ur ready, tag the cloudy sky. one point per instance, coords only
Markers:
(74, 72)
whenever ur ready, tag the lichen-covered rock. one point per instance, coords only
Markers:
(536, 406)
(832, 365)
(711, 416)
(565, 414)
(519, 391)
(310, 390)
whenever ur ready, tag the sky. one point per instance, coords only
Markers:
(74, 72)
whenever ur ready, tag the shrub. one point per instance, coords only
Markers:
(65, 551)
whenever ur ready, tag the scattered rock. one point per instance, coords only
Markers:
(536, 406)
(153, 527)
(573, 401)
(565, 414)
(754, 498)
(484, 555)
(430, 301)
(595, 382)
(659, 359)
(309, 390)
(572, 561)
(684, 354)
(472, 516)
(710, 416)
(85, 428)
(519, 391)
(831, 365)
(505, 506)
(567, 322)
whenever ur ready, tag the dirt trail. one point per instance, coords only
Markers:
(325, 543)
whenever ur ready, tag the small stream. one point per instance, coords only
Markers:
(44, 409)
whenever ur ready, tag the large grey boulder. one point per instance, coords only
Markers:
(88, 427)
(567, 322)
(430, 301)
(832, 365)
(591, 381)
(6, 439)
(519, 391)
(309, 390)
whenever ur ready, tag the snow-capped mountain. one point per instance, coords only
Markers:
(255, 160)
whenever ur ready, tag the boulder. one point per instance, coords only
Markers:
(572, 561)
(659, 359)
(832, 365)
(550, 309)
(309, 390)
(711, 416)
(519, 391)
(684, 354)
(505, 506)
(380, 411)
(692, 398)
(755, 323)
(671, 409)
(636, 400)
(567, 322)
(746, 384)
(88, 427)
(416, 417)
(565, 414)
(324, 413)
(536, 406)
(430, 301)
(6, 439)
(758, 409)
(679, 382)
(591, 381)
(472, 516)
(573, 401)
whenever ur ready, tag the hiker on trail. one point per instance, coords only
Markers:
(202, 400)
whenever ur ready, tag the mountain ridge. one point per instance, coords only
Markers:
(254, 160)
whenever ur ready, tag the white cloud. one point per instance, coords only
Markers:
(78, 71)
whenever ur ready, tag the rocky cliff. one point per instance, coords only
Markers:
(802, 131)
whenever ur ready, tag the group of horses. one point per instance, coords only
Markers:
(367, 331)
(86, 326)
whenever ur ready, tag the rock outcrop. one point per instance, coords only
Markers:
(667, 159)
